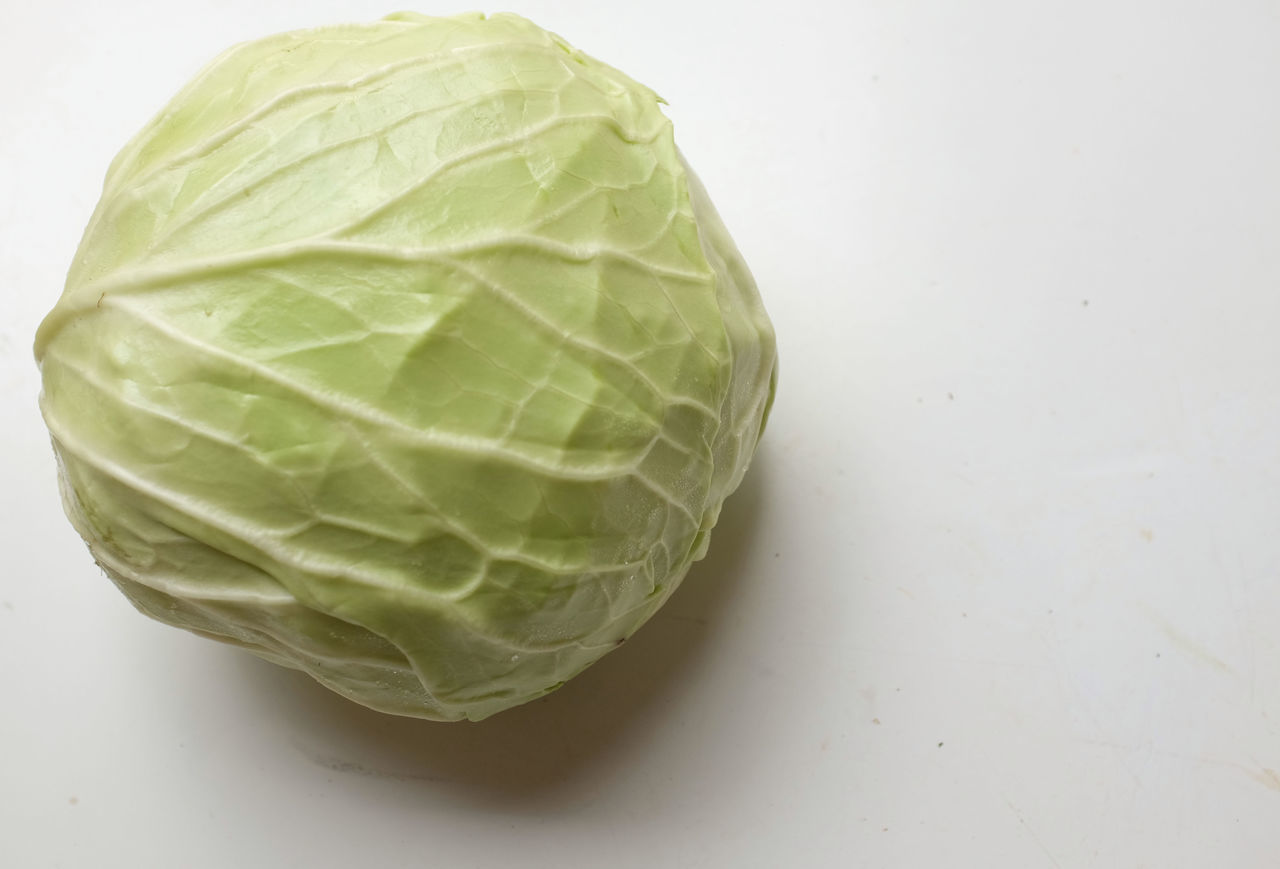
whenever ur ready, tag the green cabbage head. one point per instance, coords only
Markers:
(409, 354)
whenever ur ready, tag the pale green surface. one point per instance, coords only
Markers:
(409, 354)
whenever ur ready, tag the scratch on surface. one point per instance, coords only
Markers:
(1265, 776)
(1023, 822)
(1186, 643)
(350, 767)
(1269, 777)
(696, 620)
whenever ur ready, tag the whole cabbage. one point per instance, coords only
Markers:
(409, 354)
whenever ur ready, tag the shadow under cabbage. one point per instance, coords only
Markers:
(576, 732)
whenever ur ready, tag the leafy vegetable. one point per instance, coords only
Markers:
(409, 354)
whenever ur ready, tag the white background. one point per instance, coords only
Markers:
(1002, 588)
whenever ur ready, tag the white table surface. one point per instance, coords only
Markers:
(1002, 588)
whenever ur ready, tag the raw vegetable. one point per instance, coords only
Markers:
(409, 354)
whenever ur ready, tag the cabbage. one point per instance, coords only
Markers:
(409, 354)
